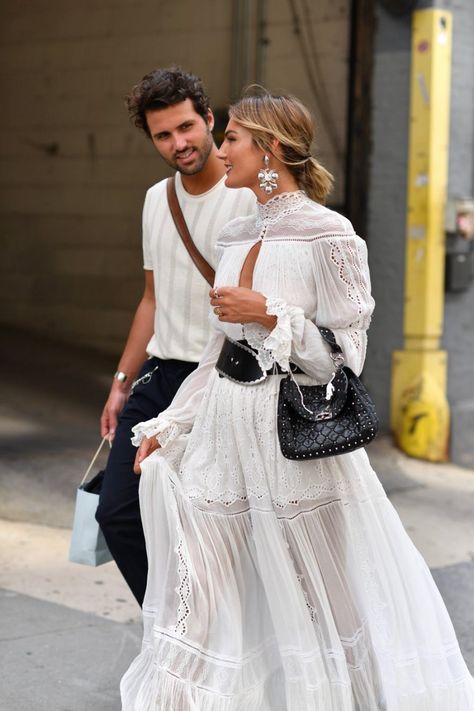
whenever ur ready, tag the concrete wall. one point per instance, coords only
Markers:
(387, 200)
(459, 308)
(326, 32)
(388, 212)
(74, 172)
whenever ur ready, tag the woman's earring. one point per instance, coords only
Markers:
(268, 178)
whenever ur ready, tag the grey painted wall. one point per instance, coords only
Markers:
(459, 308)
(387, 200)
(73, 171)
(387, 212)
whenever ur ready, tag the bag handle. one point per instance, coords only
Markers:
(337, 357)
(180, 223)
(336, 354)
(93, 460)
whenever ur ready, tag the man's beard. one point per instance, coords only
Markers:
(201, 158)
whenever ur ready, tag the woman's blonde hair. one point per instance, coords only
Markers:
(289, 121)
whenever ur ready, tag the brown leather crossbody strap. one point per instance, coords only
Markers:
(178, 218)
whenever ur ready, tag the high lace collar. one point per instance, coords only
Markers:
(281, 204)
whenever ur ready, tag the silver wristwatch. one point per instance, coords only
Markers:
(120, 376)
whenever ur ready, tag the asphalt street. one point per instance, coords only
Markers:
(68, 632)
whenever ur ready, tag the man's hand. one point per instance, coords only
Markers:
(237, 304)
(147, 446)
(112, 409)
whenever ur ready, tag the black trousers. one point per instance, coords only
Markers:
(118, 513)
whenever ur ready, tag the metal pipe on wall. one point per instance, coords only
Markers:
(261, 42)
(248, 43)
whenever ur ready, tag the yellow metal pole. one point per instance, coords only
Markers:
(419, 408)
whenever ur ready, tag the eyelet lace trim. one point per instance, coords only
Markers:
(164, 431)
(313, 222)
(280, 205)
(183, 591)
(169, 433)
(271, 346)
(312, 610)
(279, 340)
(274, 346)
(354, 287)
(255, 335)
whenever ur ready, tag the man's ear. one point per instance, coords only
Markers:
(210, 119)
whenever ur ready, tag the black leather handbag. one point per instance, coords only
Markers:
(316, 421)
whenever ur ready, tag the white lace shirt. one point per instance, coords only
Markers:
(313, 269)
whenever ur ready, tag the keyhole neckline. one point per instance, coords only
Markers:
(249, 263)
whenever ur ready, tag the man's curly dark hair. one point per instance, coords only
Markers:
(165, 87)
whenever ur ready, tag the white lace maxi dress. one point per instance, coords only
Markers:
(279, 585)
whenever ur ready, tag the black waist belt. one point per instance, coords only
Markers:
(238, 361)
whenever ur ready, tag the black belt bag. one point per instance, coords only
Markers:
(238, 362)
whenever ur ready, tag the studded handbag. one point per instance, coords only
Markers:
(316, 421)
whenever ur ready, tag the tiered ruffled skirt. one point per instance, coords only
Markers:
(282, 586)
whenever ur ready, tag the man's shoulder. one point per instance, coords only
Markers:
(244, 197)
(240, 193)
(237, 201)
(157, 189)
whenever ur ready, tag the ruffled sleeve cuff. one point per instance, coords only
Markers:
(164, 430)
(275, 346)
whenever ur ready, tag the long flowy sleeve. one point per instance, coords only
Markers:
(341, 282)
(344, 300)
(179, 417)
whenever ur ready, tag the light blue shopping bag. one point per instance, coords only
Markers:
(88, 545)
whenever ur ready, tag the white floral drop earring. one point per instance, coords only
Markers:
(268, 178)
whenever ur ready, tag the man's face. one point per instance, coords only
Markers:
(181, 136)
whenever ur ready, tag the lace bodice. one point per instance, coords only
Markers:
(285, 216)
(311, 264)
(312, 268)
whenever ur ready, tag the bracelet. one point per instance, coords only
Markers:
(120, 376)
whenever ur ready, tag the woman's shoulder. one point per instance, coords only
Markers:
(321, 222)
(240, 229)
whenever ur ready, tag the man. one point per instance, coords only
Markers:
(171, 322)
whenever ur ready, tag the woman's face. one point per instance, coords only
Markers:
(241, 157)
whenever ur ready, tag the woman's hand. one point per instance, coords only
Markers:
(147, 446)
(237, 304)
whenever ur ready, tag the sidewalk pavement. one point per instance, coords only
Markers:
(68, 632)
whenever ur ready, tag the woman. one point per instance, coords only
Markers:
(278, 585)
